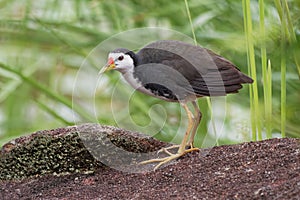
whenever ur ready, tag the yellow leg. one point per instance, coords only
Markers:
(188, 130)
(197, 120)
(181, 150)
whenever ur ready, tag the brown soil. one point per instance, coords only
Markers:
(56, 165)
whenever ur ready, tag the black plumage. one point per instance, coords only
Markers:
(176, 70)
(179, 72)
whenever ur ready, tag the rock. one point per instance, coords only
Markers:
(92, 161)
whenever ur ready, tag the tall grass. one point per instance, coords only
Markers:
(268, 102)
(254, 101)
(287, 35)
(288, 28)
(266, 72)
(45, 42)
(283, 72)
(44, 89)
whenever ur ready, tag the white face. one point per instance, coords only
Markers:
(123, 62)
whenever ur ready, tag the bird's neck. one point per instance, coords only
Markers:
(131, 79)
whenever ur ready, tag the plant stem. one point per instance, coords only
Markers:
(256, 121)
(283, 72)
(267, 82)
(208, 99)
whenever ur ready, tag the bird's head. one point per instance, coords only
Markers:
(122, 60)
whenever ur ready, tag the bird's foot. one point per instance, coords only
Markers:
(171, 156)
(166, 149)
(189, 145)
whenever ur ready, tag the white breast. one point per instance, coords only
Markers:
(135, 83)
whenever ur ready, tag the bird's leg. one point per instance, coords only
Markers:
(181, 150)
(188, 131)
(197, 120)
(186, 136)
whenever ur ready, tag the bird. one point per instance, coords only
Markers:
(177, 71)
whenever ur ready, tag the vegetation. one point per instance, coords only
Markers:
(51, 52)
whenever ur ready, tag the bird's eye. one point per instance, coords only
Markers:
(121, 58)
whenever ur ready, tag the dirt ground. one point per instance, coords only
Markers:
(268, 169)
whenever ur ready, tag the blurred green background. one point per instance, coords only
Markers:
(44, 44)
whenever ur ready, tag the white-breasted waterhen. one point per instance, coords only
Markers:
(177, 72)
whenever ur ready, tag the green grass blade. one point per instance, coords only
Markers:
(51, 112)
(267, 82)
(251, 61)
(48, 92)
(252, 110)
(208, 99)
(283, 11)
(191, 22)
(283, 73)
(284, 14)
(283, 89)
(268, 101)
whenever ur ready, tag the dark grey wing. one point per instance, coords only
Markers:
(164, 81)
(184, 57)
(207, 73)
(228, 68)
(225, 78)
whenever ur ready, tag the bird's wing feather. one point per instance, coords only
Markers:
(204, 72)
(163, 80)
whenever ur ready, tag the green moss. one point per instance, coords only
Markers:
(45, 154)
(73, 150)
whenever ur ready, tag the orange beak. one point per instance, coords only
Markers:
(109, 66)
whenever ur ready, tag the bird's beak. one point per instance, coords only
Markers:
(109, 66)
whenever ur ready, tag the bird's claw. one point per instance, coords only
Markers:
(189, 145)
(161, 161)
(166, 149)
(171, 157)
